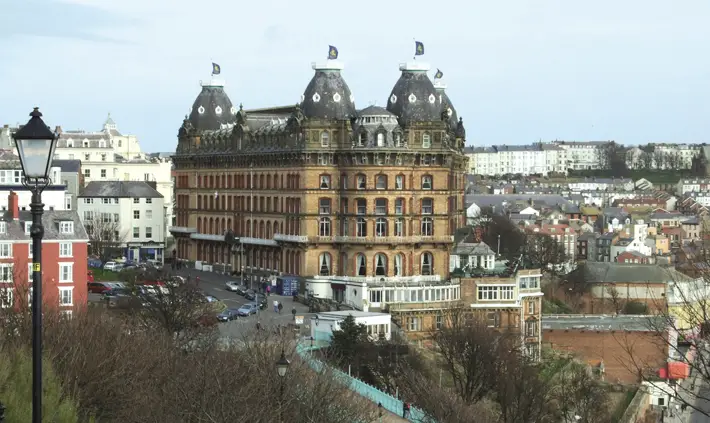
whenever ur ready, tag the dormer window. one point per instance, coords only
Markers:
(325, 182)
(362, 139)
(66, 227)
(361, 182)
(397, 139)
(85, 144)
(28, 226)
(426, 141)
(324, 139)
(102, 143)
(70, 143)
(380, 139)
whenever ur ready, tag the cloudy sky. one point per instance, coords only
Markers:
(517, 70)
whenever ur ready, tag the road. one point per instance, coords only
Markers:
(701, 403)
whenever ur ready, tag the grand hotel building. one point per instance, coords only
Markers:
(323, 190)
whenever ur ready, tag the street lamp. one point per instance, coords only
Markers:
(35, 145)
(379, 412)
(281, 368)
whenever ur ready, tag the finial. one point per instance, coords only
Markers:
(241, 106)
(185, 117)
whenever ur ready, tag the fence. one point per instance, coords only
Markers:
(388, 402)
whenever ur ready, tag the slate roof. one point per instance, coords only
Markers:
(119, 189)
(68, 166)
(416, 86)
(328, 96)
(374, 111)
(78, 138)
(212, 99)
(50, 220)
(628, 273)
(603, 322)
(497, 200)
(473, 249)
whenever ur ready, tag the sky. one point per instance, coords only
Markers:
(518, 71)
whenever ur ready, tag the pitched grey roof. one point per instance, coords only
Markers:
(497, 200)
(603, 322)
(50, 220)
(68, 166)
(120, 189)
(628, 273)
(78, 138)
(473, 249)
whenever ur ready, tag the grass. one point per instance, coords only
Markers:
(555, 306)
(101, 275)
(16, 391)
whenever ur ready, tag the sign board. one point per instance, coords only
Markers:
(299, 320)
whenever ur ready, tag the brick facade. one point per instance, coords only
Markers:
(612, 347)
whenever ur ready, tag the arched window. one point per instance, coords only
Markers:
(276, 228)
(380, 139)
(324, 226)
(399, 265)
(380, 264)
(427, 263)
(324, 139)
(427, 182)
(361, 264)
(325, 264)
(199, 225)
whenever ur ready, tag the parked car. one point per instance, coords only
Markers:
(211, 299)
(99, 287)
(241, 290)
(111, 266)
(115, 292)
(247, 309)
(228, 315)
(250, 294)
(233, 286)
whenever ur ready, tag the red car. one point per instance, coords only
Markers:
(99, 287)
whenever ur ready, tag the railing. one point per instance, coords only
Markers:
(385, 239)
(207, 237)
(183, 229)
(361, 388)
(379, 279)
(302, 239)
(428, 305)
(258, 241)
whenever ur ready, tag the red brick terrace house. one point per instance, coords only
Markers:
(633, 257)
(64, 258)
(604, 341)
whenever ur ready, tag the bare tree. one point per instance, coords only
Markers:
(615, 297)
(580, 397)
(106, 236)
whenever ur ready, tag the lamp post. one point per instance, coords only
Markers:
(35, 145)
(379, 412)
(281, 368)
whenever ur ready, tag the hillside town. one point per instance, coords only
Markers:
(353, 233)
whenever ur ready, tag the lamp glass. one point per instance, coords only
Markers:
(282, 365)
(36, 156)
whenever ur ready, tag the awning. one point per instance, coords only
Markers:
(675, 370)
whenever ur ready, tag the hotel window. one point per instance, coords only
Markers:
(381, 182)
(427, 226)
(66, 272)
(426, 141)
(148, 232)
(381, 227)
(87, 157)
(380, 264)
(324, 139)
(399, 206)
(136, 232)
(361, 206)
(65, 249)
(136, 214)
(427, 261)
(3, 227)
(380, 139)
(375, 296)
(325, 264)
(324, 206)
(324, 226)
(427, 182)
(381, 206)
(361, 182)
(531, 307)
(397, 139)
(487, 293)
(399, 182)
(325, 182)
(66, 297)
(362, 139)
(399, 227)
(361, 263)
(103, 159)
(361, 227)
(399, 265)
(506, 292)
(427, 206)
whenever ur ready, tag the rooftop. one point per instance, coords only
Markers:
(602, 322)
(120, 189)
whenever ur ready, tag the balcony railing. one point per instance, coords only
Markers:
(427, 305)
(381, 279)
(301, 239)
(182, 229)
(447, 239)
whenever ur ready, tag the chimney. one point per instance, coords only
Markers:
(13, 205)
(58, 129)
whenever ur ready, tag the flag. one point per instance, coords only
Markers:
(332, 53)
(419, 48)
(439, 74)
(216, 69)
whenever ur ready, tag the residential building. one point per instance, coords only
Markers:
(133, 211)
(71, 178)
(379, 325)
(537, 158)
(581, 155)
(108, 155)
(687, 185)
(351, 197)
(64, 257)
(470, 256)
(54, 196)
(602, 184)
(586, 246)
(631, 256)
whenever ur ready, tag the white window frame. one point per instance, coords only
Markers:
(149, 232)
(7, 297)
(426, 140)
(66, 249)
(62, 291)
(3, 227)
(70, 275)
(66, 227)
(6, 249)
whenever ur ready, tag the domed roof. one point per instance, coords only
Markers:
(212, 108)
(413, 98)
(446, 103)
(328, 96)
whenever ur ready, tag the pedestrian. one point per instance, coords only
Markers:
(197, 281)
(293, 311)
(683, 407)
(258, 325)
(276, 306)
(405, 410)
(268, 290)
(280, 307)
